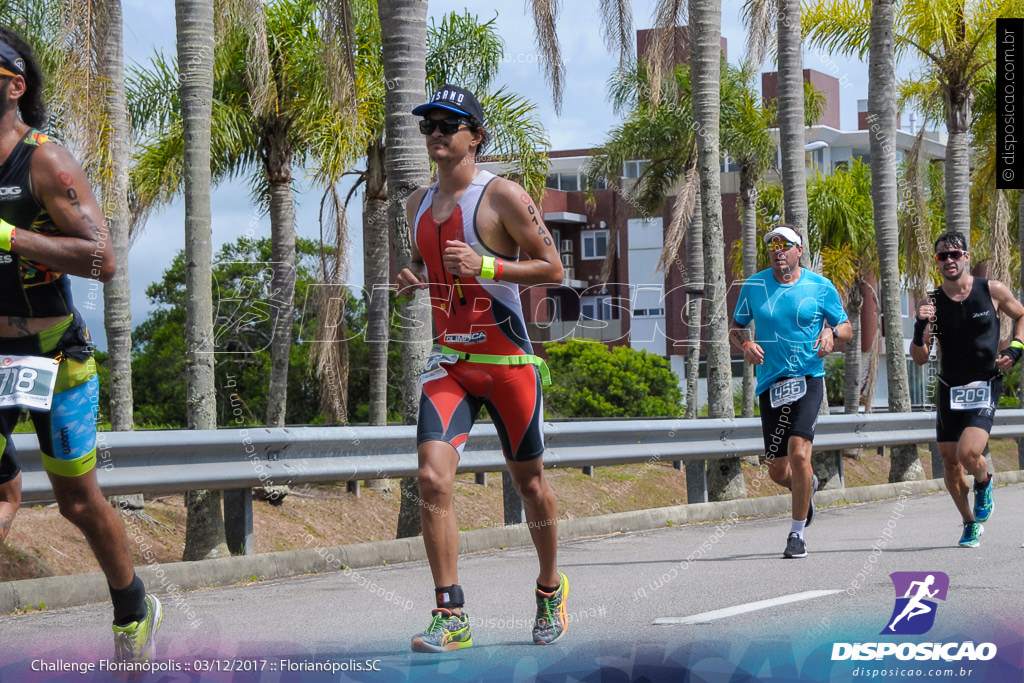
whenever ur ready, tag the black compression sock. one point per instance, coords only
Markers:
(129, 603)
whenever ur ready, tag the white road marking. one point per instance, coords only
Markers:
(707, 617)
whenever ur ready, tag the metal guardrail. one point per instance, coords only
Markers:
(163, 462)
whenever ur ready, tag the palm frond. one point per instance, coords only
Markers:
(617, 27)
(545, 16)
(465, 51)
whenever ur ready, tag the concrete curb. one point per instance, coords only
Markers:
(58, 592)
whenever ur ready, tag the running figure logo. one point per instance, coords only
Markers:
(914, 612)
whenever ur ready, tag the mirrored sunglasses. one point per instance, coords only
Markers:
(954, 254)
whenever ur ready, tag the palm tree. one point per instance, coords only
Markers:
(954, 39)
(905, 463)
(266, 121)
(86, 96)
(839, 223)
(204, 526)
(745, 135)
(780, 19)
(725, 478)
(403, 26)
(117, 294)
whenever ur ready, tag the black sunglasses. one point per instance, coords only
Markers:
(447, 126)
(954, 254)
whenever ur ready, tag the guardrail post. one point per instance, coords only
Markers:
(238, 521)
(352, 487)
(1020, 454)
(588, 470)
(481, 478)
(696, 481)
(514, 513)
(938, 469)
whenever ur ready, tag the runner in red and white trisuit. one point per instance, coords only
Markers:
(472, 234)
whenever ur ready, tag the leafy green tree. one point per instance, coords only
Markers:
(592, 380)
(243, 357)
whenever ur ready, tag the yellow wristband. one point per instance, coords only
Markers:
(487, 267)
(6, 235)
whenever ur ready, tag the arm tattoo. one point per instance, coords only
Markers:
(73, 196)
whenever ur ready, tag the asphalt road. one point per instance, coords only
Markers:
(619, 586)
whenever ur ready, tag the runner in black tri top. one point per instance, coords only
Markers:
(476, 238)
(963, 316)
(52, 226)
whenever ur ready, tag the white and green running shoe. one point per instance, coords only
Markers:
(136, 641)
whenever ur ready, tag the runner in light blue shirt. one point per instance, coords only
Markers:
(797, 316)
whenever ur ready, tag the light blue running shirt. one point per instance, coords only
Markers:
(788, 319)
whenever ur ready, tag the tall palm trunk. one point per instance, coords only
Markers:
(882, 114)
(748, 241)
(117, 311)
(853, 356)
(204, 525)
(791, 120)
(694, 298)
(958, 159)
(696, 470)
(725, 478)
(277, 163)
(404, 38)
(375, 279)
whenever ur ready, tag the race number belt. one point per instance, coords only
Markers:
(27, 382)
(490, 359)
(787, 390)
(971, 396)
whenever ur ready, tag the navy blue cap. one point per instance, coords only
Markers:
(454, 99)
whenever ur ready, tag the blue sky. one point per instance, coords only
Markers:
(585, 118)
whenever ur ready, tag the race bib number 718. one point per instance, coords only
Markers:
(27, 382)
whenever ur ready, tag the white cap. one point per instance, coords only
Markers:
(786, 232)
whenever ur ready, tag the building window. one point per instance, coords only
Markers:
(555, 236)
(554, 309)
(600, 183)
(633, 169)
(596, 308)
(595, 244)
(567, 182)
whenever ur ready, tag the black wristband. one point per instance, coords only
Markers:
(1013, 353)
(919, 327)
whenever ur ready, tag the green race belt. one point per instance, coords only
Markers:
(524, 359)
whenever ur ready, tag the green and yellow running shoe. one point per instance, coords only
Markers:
(446, 631)
(136, 641)
(552, 617)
